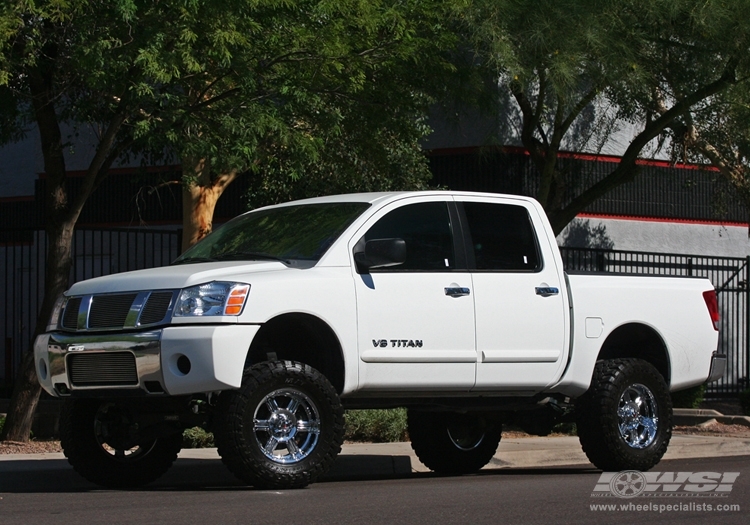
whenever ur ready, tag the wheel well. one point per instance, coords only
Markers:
(638, 341)
(303, 338)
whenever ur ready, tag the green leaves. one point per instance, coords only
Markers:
(573, 72)
(269, 84)
(244, 83)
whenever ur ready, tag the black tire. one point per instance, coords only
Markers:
(624, 420)
(282, 429)
(88, 430)
(452, 443)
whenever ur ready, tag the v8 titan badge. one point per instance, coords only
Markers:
(397, 343)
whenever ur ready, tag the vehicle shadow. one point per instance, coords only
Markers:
(57, 476)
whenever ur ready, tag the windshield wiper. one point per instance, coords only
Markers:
(251, 256)
(189, 260)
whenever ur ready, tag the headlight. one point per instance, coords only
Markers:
(54, 318)
(216, 298)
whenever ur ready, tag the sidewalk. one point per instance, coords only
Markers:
(397, 459)
(698, 416)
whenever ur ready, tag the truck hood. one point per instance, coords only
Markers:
(172, 277)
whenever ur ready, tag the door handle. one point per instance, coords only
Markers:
(546, 291)
(457, 291)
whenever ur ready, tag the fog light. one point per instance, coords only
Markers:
(183, 365)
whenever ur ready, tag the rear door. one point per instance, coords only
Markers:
(520, 308)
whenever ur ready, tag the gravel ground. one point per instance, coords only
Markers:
(711, 429)
(31, 447)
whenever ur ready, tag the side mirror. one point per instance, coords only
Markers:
(380, 253)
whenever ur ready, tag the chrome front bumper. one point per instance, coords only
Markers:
(69, 362)
(175, 360)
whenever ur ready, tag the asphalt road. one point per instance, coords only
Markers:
(203, 492)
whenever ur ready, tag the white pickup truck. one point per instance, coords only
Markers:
(454, 305)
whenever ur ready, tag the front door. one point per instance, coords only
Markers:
(416, 320)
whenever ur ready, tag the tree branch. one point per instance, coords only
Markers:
(195, 107)
(532, 144)
(539, 111)
(627, 169)
(102, 160)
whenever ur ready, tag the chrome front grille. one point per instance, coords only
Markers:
(117, 311)
(110, 311)
(156, 307)
(70, 318)
(102, 369)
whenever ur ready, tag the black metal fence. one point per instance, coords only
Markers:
(660, 190)
(95, 252)
(729, 276)
(104, 251)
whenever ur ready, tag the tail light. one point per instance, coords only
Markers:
(713, 307)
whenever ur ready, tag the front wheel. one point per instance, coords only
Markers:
(283, 428)
(624, 420)
(99, 438)
(453, 443)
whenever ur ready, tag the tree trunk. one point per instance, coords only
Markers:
(59, 223)
(59, 228)
(26, 389)
(61, 215)
(23, 402)
(200, 192)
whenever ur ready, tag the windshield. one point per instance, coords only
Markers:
(294, 235)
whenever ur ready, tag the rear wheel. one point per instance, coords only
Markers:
(97, 438)
(452, 443)
(624, 420)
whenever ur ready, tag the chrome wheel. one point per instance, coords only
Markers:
(624, 420)
(454, 443)
(286, 425)
(103, 441)
(465, 438)
(282, 428)
(112, 426)
(638, 416)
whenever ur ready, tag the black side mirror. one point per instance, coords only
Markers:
(379, 253)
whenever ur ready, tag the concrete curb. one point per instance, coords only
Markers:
(697, 416)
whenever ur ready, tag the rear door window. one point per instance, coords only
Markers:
(501, 237)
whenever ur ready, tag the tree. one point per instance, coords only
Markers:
(641, 62)
(311, 90)
(63, 62)
(718, 133)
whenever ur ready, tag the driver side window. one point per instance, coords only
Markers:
(426, 229)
